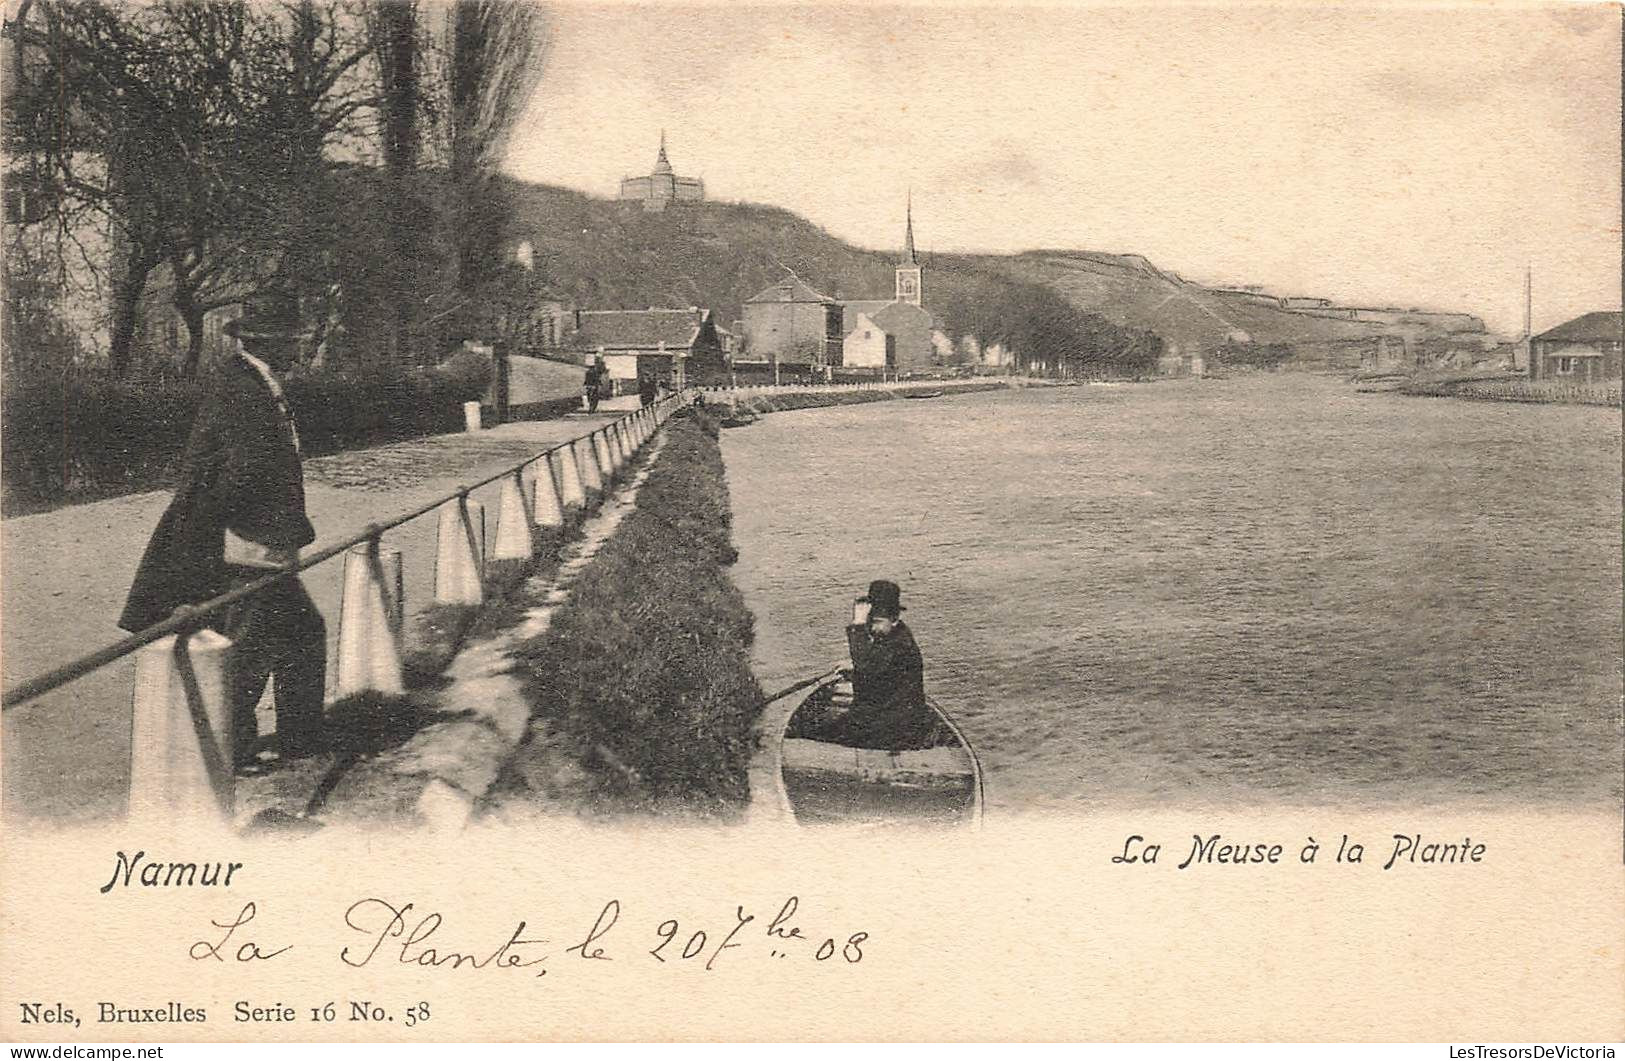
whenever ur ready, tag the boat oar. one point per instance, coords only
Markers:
(798, 686)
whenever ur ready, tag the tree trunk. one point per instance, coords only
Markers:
(128, 287)
(191, 312)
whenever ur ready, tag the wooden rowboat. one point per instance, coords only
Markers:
(827, 780)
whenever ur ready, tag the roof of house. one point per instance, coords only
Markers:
(1601, 326)
(850, 310)
(638, 329)
(790, 289)
(896, 315)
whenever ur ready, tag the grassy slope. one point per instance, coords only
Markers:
(646, 667)
(606, 254)
(1189, 314)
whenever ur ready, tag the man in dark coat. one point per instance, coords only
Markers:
(648, 390)
(239, 514)
(594, 384)
(888, 677)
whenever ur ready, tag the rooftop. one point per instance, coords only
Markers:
(638, 329)
(1600, 326)
(790, 289)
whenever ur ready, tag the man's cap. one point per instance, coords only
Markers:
(884, 598)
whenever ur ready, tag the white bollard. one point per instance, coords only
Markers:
(546, 509)
(180, 733)
(370, 649)
(592, 475)
(513, 522)
(570, 493)
(459, 564)
(471, 416)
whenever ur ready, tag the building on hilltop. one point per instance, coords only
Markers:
(1585, 349)
(661, 187)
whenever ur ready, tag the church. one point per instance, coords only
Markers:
(662, 187)
(793, 324)
(892, 334)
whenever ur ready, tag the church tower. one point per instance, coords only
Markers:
(910, 288)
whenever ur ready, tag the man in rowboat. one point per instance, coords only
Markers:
(888, 677)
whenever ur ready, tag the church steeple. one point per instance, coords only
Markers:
(910, 286)
(661, 164)
(908, 235)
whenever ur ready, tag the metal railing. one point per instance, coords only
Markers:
(189, 618)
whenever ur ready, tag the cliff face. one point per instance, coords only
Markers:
(1129, 290)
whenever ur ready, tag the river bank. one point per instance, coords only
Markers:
(1493, 387)
(1524, 391)
(745, 403)
(641, 694)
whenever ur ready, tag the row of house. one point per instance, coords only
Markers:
(791, 324)
(787, 327)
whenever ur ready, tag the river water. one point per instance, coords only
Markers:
(1267, 590)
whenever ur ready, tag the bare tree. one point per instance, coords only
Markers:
(197, 133)
(497, 49)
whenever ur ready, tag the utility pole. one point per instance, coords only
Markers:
(1528, 320)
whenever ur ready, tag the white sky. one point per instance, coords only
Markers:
(1392, 156)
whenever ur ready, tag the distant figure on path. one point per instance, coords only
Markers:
(647, 388)
(888, 677)
(239, 513)
(594, 384)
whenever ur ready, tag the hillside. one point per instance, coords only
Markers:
(605, 254)
(1127, 289)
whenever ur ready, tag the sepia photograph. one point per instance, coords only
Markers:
(1112, 511)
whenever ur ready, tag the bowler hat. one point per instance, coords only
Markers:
(883, 598)
(268, 316)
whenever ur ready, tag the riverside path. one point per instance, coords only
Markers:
(64, 758)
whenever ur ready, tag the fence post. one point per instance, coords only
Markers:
(370, 649)
(181, 762)
(471, 416)
(622, 442)
(460, 553)
(545, 503)
(570, 493)
(592, 475)
(513, 521)
(600, 449)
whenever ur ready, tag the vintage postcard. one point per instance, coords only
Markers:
(919, 521)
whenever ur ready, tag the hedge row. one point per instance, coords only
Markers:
(81, 436)
(647, 665)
